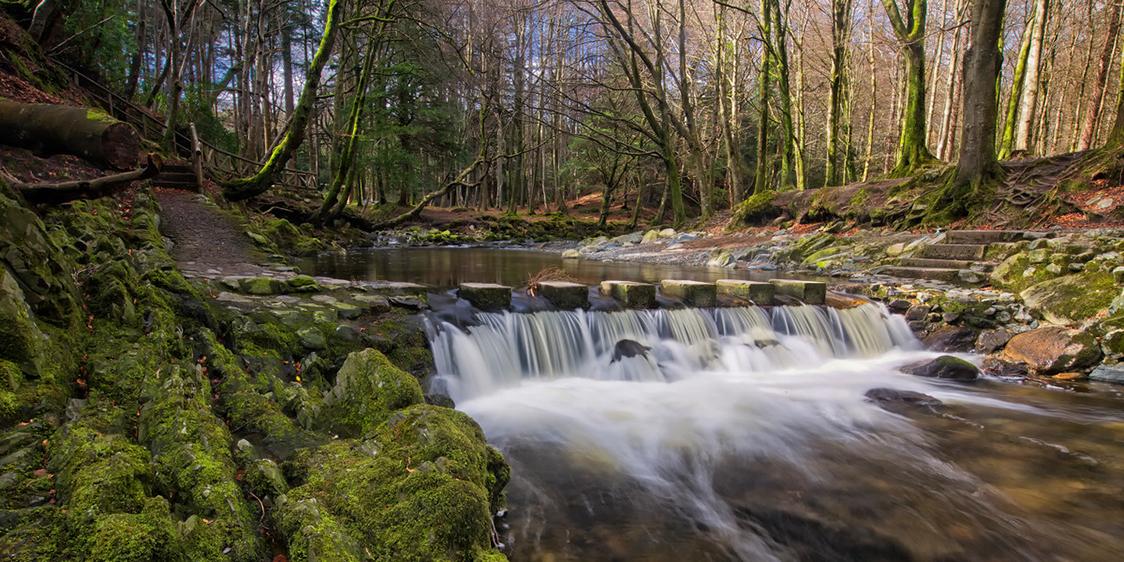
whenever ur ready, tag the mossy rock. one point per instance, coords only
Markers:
(1071, 299)
(756, 208)
(128, 537)
(420, 487)
(368, 388)
(37, 263)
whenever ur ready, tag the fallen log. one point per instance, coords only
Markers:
(89, 188)
(89, 133)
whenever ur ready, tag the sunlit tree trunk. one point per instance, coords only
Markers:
(1100, 81)
(1028, 110)
(910, 31)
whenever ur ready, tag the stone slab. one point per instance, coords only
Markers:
(808, 292)
(757, 292)
(691, 293)
(486, 296)
(564, 294)
(630, 293)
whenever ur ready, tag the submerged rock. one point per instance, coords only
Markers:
(629, 348)
(895, 396)
(1108, 373)
(1053, 349)
(945, 367)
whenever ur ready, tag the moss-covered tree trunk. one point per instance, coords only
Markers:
(761, 174)
(978, 165)
(913, 151)
(260, 182)
(840, 39)
(1007, 140)
(88, 133)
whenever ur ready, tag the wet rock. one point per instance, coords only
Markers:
(808, 292)
(374, 303)
(1113, 343)
(691, 293)
(723, 259)
(571, 254)
(625, 349)
(564, 294)
(1053, 349)
(486, 296)
(1118, 274)
(757, 292)
(630, 294)
(945, 367)
(409, 303)
(992, 340)
(303, 284)
(895, 396)
(951, 338)
(899, 306)
(261, 285)
(1108, 373)
(917, 313)
(440, 399)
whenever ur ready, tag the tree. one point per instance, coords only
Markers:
(840, 38)
(910, 31)
(260, 182)
(1092, 111)
(978, 164)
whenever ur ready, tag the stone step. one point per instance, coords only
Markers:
(954, 251)
(630, 294)
(486, 296)
(945, 264)
(931, 273)
(564, 294)
(982, 236)
(690, 293)
(181, 176)
(758, 292)
(807, 292)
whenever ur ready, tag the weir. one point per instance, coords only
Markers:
(654, 345)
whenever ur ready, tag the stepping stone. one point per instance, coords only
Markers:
(486, 296)
(983, 236)
(757, 292)
(807, 292)
(954, 251)
(931, 273)
(564, 294)
(691, 293)
(630, 294)
(943, 264)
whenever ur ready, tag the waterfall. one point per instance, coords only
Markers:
(654, 345)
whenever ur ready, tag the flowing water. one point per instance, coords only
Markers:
(746, 434)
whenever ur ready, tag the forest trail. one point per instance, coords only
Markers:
(207, 241)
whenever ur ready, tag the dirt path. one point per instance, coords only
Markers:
(207, 242)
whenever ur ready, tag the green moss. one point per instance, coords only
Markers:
(368, 387)
(99, 471)
(1072, 299)
(758, 206)
(278, 235)
(32, 535)
(127, 537)
(419, 488)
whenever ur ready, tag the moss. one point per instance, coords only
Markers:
(1072, 299)
(192, 458)
(277, 235)
(757, 207)
(126, 537)
(368, 387)
(99, 471)
(32, 535)
(419, 488)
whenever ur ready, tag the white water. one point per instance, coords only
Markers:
(716, 386)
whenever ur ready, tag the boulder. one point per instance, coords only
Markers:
(992, 340)
(1108, 373)
(571, 254)
(945, 367)
(951, 338)
(895, 250)
(667, 233)
(486, 296)
(1053, 349)
(650, 236)
(368, 388)
(1071, 299)
(722, 259)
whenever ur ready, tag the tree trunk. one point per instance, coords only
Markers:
(913, 151)
(1028, 110)
(978, 163)
(1100, 83)
(761, 174)
(840, 37)
(88, 133)
(260, 182)
(1007, 141)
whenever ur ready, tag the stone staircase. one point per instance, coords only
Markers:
(959, 259)
(177, 176)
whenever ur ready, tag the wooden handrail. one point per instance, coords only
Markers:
(196, 157)
(110, 98)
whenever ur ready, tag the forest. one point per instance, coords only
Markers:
(677, 109)
(539, 280)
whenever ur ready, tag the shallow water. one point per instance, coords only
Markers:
(444, 268)
(756, 442)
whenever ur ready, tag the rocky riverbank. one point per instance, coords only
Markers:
(145, 415)
(1043, 305)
